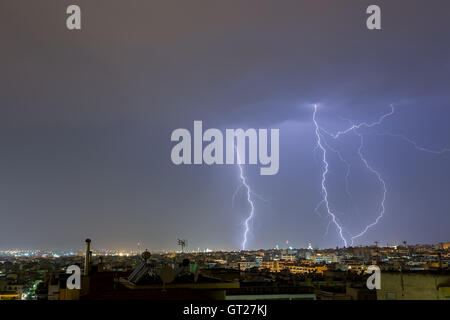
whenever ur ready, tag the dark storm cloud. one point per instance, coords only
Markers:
(86, 116)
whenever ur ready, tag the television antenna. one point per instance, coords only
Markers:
(182, 243)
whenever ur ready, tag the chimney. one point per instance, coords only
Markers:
(87, 257)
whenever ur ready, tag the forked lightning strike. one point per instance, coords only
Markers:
(323, 146)
(324, 178)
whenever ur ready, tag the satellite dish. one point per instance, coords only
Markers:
(146, 255)
(167, 274)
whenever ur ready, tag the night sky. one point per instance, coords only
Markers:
(86, 118)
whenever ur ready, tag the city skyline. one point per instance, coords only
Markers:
(176, 249)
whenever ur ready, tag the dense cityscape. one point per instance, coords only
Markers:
(407, 272)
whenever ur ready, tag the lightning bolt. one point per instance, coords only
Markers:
(324, 178)
(380, 179)
(249, 199)
(414, 144)
(238, 189)
(347, 173)
(354, 128)
(347, 182)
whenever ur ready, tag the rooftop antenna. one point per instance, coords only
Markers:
(182, 243)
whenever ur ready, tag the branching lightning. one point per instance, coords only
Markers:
(324, 178)
(354, 128)
(414, 144)
(238, 189)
